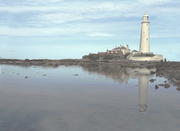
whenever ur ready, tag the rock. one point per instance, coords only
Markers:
(161, 84)
(152, 72)
(44, 74)
(177, 83)
(178, 88)
(165, 81)
(166, 85)
(152, 80)
(156, 87)
(76, 74)
(26, 77)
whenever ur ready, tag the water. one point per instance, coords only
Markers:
(85, 99)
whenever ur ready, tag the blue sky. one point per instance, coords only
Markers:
(58, 29)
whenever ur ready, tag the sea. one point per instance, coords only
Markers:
(75, 98)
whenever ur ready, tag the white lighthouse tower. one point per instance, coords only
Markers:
(144, 41)
(144, 47)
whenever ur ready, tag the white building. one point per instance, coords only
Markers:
(119, 49)
(144, 40)
(144, 48)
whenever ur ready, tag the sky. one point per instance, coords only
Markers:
(62, 29)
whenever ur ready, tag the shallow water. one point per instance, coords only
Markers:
(85, 99)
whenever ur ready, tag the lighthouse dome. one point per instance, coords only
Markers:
(145, 14)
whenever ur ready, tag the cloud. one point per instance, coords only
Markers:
(23, 9)
(100, 34)
(48, 0)
(148, 2)
(40, 2)
(76, 30)
(83, 17)
(29, 2)
(78, 7)
(30, 31)
(59, 18)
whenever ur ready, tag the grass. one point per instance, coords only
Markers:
(143, 55)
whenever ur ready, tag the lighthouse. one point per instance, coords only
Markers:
(144, 40)
(144, 53)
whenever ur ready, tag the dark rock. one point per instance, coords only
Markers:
(152, 80)
(156, 87)
(177, 83)
(26, 77)
(152, 72)
(76, 74)
(178, 88)
(161, 84)
(166, 85)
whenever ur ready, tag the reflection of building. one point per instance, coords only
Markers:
(143, 83)
(0, 69)
(123, 74)
(143, 92)
(117, 73)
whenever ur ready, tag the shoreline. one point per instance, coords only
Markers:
(169, 70)
(86, 62)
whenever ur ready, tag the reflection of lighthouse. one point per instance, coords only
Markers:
(0, 74)
(143, 78)
(143, 92)
(0, 71)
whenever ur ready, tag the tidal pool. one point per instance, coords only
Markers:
(76, 98)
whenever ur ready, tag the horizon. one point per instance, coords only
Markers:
(59, 29)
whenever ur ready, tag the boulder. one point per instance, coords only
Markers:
(152, 80)
(156, 87)
(161, 84)
(152, 72)
(177, 83)
(26, 77)
(166, 85)
(178, 88)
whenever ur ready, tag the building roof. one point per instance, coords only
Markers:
(120, 47)
(145, 14)
(134, 51)
(102, 53)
